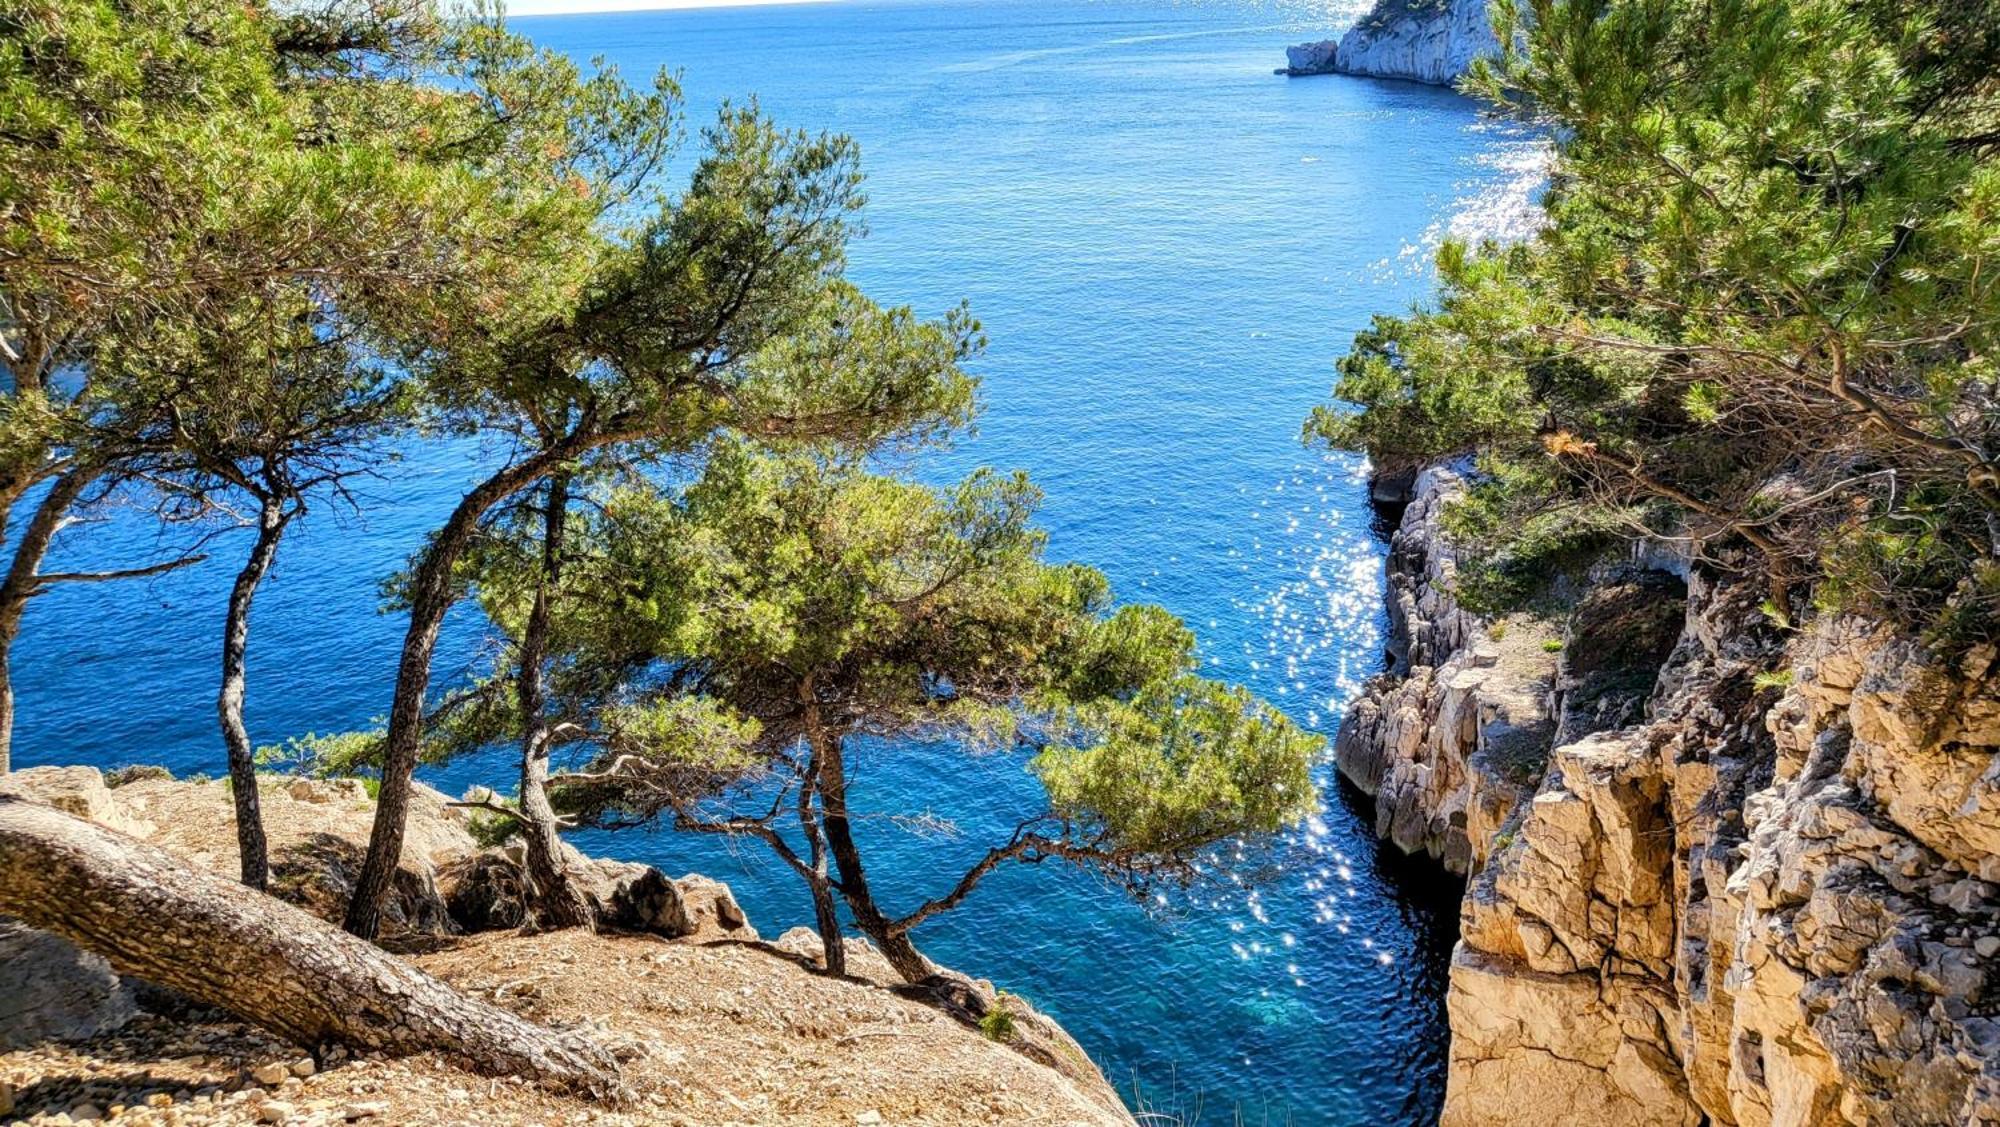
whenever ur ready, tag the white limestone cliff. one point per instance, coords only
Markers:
(1433, 41)
(1758, 885)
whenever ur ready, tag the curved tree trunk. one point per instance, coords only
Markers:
(225, 945)
(23, 582)
(430, 598)
(552, 899)
(894, 944)
(826, 915)
(272, 517)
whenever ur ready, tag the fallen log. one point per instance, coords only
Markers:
(221, 943)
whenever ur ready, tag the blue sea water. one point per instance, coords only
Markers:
(1168, 246)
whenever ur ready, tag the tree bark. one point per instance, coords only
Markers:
(894, 944)
(826, 914)
(551, 898)
(225, 945)
(272, 517)
(23, 581)
(430, 598)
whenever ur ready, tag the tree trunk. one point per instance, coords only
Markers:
(225, 945)
(272, 517)
(826, 917)
(430, 597)
(22, 582)
(895, 945)
(551, 898)
(826, 914)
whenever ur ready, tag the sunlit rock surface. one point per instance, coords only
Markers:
(1310, 58)
(1432, 41)
(715, 1028)
(1752, 879)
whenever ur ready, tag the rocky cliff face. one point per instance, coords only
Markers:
(1432, 41)
(1720, 870)
(1450, 740)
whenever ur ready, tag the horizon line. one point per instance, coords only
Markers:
(537, 9)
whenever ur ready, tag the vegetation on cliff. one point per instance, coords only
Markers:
(1760, 322)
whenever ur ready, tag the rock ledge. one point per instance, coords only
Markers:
(717, 1028)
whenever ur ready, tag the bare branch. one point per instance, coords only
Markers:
(54, 577)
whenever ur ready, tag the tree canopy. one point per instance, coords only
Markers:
(225, 229)
(1760, 318)
(729, 647)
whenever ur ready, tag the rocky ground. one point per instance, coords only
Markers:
(717, 1027)
(1723, 870)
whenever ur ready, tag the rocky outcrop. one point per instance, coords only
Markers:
(1433, 41)
(713, 1026)
(1310, 58)
(1402, 742)
(1866, 962)
(1573, 918)
(1452, 739)
(1756, 882)
(81, 791)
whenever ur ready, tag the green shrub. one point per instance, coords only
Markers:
(997, 1025)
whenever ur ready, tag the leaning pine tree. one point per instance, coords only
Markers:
(744, 643)
(726, 308)
(850, 375)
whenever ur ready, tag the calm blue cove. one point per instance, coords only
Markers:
(1168, 246)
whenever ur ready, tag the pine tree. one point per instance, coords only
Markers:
(1761, 317)
(735, 647)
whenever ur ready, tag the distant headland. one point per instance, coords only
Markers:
(588, 7)
(1433, 41)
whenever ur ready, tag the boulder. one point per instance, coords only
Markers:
(635, 897)
(318, 873)
(51, 991)
(712, 910)
(80, 791)
(1310, 58)
(484, 893)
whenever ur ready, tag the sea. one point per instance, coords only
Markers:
(1169, 247)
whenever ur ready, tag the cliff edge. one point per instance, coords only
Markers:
(714, 1026)
(1721, 870)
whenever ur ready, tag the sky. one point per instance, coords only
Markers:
(561, 7)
